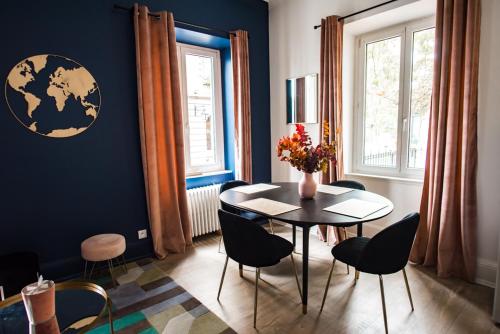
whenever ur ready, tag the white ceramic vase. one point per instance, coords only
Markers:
(307, 186)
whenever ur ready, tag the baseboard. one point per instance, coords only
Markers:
(486, 272)
(486, 269)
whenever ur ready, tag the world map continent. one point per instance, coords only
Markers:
(64, 80)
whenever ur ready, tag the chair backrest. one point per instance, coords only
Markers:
(348, 184)
(246, 242)
(388, 251)
(226, 186)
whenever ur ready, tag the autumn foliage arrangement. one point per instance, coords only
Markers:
(299, 151)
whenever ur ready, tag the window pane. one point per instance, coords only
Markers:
(420, 96)
(201, 110)
(381, 102)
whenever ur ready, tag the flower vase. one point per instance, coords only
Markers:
(307, 186)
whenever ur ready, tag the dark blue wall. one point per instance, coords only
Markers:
(57, 192)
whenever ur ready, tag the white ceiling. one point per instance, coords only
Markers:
(402, 11)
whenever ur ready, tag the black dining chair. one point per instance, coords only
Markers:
(251, 245)
(386, 253)
(254, 217)
(352, 185)
(348, 184)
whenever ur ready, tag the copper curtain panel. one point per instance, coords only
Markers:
(242, 117)
(446, 237)
(161, 130)
(330, 105)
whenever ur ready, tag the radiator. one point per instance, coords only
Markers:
(203, 203)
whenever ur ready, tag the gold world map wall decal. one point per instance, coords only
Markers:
(52, 95)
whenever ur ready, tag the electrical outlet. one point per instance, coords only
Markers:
(142, 234)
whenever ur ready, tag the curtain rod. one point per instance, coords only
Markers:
(359, 12)
(182, 23)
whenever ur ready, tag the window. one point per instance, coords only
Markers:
(200, 73)
(393, 96)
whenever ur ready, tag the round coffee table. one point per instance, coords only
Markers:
(79, 306)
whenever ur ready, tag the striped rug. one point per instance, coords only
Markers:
(146, 301)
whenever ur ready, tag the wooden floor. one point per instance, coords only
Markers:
(441, 306)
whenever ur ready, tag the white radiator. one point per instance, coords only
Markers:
(203, 203)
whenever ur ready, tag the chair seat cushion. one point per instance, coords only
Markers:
(349, 251)
(254, 217)
(103, 247)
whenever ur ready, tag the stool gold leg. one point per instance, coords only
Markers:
(85, 270)
(91, 270)
(124, 264)
(110, 266)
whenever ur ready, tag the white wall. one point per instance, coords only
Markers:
(488, 176)
(294, 51)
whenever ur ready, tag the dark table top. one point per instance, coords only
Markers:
(312, 212)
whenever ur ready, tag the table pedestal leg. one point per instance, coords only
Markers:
(360, 230)
(305, 267)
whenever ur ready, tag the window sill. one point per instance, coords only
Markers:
(209, 178)
(387, 178)
(219, 172)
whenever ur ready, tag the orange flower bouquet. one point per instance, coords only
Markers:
(299, 151)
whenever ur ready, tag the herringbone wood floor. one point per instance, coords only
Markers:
(441, 306)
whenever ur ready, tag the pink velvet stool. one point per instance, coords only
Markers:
(104, 247)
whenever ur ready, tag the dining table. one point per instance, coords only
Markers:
(310, 214)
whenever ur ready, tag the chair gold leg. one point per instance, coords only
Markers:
(408, 289)
(220, 242)
(327, 286)
(271, 226)
(296, 275)
(257, 276)
(383, 302)
(241, 270)
(356, 276)
(222, 278)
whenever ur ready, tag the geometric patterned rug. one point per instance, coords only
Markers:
(147, 301)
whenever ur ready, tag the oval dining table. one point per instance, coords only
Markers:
(311, 213)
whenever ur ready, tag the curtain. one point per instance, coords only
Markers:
(330, 102)
(446, 237)
(241, 91)
(161, 131)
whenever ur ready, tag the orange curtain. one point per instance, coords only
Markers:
(242, 117)
(446, 237)
(161, 130)
(330, 103)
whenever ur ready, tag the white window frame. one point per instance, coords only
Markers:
(405, 31)
(182, 51)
